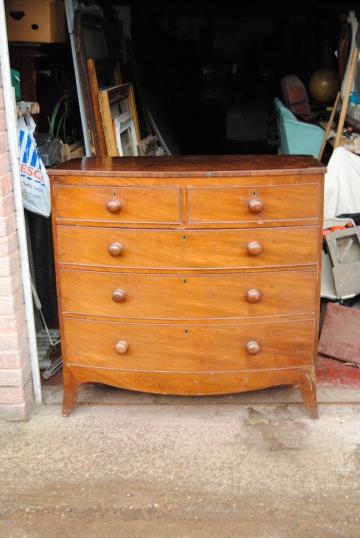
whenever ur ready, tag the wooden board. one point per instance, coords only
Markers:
(340, 333)
(110, 99)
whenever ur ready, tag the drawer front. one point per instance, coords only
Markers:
(253, 204)
(162, 249)
(188, 348)
(122, 205)
(188, 296)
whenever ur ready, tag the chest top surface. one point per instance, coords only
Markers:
(191, 166)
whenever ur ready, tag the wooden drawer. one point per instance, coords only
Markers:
(188, 348)
(210, 249)
(188, 296)
(130, 204)
(261, 204)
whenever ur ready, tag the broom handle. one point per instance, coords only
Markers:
(328, 125)
(345, 103)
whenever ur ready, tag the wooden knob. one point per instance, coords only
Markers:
(255, 206)
(115, 249)
(119, 295)
(121, 347)
(114, 205)
(253, 347)
(253, 296)
(254, 248)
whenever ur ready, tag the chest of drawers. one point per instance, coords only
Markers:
(188, 275)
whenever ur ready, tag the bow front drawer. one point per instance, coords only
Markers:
(170, 249)
(131, 346)
(139, 296)
(262, 204)
(118, 205)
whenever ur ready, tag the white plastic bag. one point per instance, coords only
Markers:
(35, 184)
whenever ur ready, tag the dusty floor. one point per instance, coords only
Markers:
(224, 469)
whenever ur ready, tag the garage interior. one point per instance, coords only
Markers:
(204, 79)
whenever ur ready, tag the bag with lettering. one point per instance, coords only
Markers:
(35, 184)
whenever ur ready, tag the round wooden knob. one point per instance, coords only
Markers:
(253, 347)
(115, 249)
(121, 347)
(254, 248)
(114, 205)
(255, 206)
(119, 295)
(253, 296)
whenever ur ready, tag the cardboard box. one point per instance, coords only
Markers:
(36, 21)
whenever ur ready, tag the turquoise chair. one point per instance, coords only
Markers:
(297, 137)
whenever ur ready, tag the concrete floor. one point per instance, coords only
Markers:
(155, 467)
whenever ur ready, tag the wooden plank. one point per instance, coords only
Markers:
(133, 112)
(107, 122)
(346, 97)
(328, 125)
(94, 90)
(340, 333)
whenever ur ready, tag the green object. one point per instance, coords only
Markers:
(297, 137)
(15, 81)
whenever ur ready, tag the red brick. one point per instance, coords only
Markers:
(11, 305)
(8, 245)
(16, 412)
(14, 323)
(13, 341)
(10, 264)
(14, 359)
(7, 206)
(16, 377)
(3, 142)
(1, 99)
(5, 182)
(4, 163)
(7, 225)
(16, 395)
(2, 120)
(9, 285)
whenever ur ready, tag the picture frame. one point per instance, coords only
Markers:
(125, 135)
(102, 73)
(114, 102)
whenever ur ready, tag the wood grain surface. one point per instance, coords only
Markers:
(163, 249)
(178, 348)
(164, 296)
(192, 166)
(138, 204)
(232, 204)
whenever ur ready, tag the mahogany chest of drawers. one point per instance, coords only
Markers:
(188, 275)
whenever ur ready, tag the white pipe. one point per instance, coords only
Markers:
(10, 115)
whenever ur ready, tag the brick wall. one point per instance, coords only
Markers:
(15, 372)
